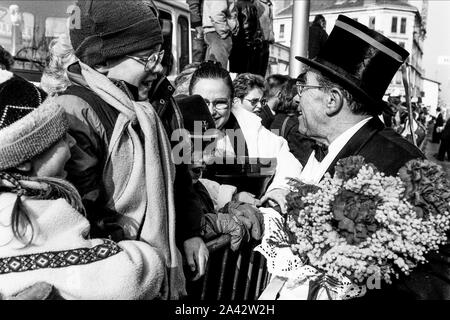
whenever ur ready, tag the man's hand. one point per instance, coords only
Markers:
(196, 255)
(276, 197)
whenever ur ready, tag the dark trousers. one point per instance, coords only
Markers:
(198, 48)
(444, 149)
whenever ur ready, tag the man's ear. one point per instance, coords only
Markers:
(236, 100)
(335, 102)
(24, 167)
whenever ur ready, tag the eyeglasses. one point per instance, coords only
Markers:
(151, 61)
(302, 87)
(219, 104)
(255, 101)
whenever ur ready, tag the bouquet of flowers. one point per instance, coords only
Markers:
(359, 228)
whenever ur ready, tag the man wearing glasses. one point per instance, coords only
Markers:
(340, 96)
(122, 163)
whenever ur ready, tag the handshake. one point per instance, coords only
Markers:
(242, 221)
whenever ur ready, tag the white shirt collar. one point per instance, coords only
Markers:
(314, 170)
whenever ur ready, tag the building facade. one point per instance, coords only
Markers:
(400, 21)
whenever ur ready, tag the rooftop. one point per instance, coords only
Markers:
(321, 5)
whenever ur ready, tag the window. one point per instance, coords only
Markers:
(394, 25)
(403, 26)
(183, 35)
(372, 23)
(281, 31)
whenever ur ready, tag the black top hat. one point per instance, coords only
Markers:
(196, 117)
(360, 59)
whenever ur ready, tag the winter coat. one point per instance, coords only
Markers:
(187, 202)
(262, 143)
(265, 13)
(220, 16)
(62, 255)
(141, 193)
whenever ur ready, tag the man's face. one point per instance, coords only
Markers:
(133, 71)
(312, 102)
(252, 101)
(217, 96)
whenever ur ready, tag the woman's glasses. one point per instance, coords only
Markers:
(255, 101)
(151, 61)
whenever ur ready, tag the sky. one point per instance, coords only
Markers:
(437, 44)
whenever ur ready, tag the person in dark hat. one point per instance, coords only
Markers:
(122, 163)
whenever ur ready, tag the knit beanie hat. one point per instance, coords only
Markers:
(114, 28)
(29, 125)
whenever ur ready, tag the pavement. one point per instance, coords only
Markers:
(430, 150)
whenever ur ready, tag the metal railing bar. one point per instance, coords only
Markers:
(222, 273)
(205, 281)
(260, 275)
(236, 276)
(249, 275)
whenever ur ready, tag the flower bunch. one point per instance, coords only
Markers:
(361, 223)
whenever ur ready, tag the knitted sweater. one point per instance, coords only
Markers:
(78, 267)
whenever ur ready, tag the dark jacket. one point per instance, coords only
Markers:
(187, 203)
(299, 145)
(317, 38)
(439, 123)
(266, 116)
(388, 151)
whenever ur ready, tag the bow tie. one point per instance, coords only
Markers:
(320, 151)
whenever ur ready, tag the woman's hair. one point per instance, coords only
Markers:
(39, 189)
(245, 82)
(183, 80)
(211, 70)
(286, 102)
(61, 55)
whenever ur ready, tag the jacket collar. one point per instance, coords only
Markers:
(358, 141)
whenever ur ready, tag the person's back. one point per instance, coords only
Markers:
(317, 36)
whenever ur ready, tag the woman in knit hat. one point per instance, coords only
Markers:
(122, 163)
(43, 233)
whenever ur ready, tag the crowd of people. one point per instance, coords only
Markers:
(96, 203)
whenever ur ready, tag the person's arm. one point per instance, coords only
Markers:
(195, 12)
(189, 222)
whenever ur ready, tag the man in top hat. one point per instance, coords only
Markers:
(339, 103)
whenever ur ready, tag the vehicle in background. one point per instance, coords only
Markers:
(27, 27)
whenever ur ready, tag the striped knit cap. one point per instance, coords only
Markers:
(29, 124)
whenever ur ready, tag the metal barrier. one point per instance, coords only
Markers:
(240, 275)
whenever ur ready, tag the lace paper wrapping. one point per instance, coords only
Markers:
(283, 263)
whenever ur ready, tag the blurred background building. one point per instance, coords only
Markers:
(404, 22)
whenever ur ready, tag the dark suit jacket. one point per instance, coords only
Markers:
(381, 146)
(388, 151)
